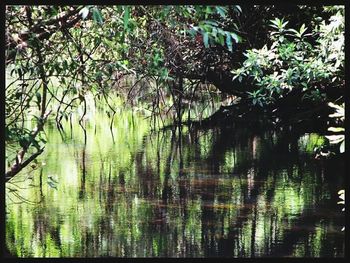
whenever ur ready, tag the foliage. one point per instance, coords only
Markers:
(308, 59)
(56, 56)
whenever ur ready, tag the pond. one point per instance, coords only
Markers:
(137, 192)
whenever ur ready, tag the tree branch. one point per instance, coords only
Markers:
(42, 30)
(17, 168)
(19, 163)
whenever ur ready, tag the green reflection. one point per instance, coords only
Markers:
(134, 192)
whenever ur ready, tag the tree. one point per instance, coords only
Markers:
(160, 55)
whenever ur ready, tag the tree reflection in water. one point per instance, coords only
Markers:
(227, 192)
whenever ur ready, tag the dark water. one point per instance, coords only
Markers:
(213, 193)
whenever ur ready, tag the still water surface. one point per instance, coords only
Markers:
(229, 192)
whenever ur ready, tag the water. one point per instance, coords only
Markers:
(230, 192)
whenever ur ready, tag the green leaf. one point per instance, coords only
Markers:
(302, 29)
(275, 22)
(221, 10)
(210, 22)
(236, 37)
(97, 16)
(228, 41)
(206, 39)
(54, 10)
(126, 17)
(293, 31)
(208, 10)
(193, 31)
(221, 39)
(284, 24)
